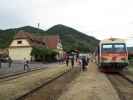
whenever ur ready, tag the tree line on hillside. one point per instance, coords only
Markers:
(70, 38)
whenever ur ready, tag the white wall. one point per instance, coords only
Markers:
(20, 53)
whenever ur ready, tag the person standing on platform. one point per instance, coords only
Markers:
(80, 63)
(84, 63)
(0, 64)
(9, 62)
(67, 59)
(72, 61)
(26, 65)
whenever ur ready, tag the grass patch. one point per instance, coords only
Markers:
(17, 87)
(130, 65)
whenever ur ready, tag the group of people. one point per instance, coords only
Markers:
(82, 61)
(71, 58)
(67, 58)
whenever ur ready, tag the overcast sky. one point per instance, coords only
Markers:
(99, 18)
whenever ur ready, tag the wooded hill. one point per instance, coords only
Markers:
(70, 38)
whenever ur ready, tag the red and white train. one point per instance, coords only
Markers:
(111, 55)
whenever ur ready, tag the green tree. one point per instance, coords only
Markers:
(43, 54)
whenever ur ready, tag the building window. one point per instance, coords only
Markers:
(43, 43)
(19, 42)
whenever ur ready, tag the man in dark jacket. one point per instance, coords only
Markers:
(26, 65)
(72, 61)
(67, 60)
(84, 63)
(9, 62)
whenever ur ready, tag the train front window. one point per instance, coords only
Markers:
(119, 47)
(113, 48)
(107, 48)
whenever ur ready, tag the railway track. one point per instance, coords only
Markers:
(123, 85)
(54, 92)
(126, 77)
(18, 75)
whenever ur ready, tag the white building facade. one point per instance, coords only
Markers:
(20, 49)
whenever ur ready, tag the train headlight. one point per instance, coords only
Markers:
(103, 58)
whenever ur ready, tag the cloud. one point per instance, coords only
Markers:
(15, 13)
(99, 18)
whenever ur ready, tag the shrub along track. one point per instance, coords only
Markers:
(122, 84)
(52, 89)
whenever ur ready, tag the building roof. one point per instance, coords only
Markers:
(37, 41)
(52, 41)
(23, 35)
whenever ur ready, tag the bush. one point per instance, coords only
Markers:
(43, 54)
(130, 56)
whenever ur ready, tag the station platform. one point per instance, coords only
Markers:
(90, 85)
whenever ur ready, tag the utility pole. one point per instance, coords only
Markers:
(38, 25)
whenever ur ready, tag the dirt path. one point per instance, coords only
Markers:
(90, 85)
(53, 90)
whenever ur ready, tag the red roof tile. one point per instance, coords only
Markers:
(52, 41)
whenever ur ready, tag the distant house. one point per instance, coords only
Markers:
(24, 42)
(3, 53)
